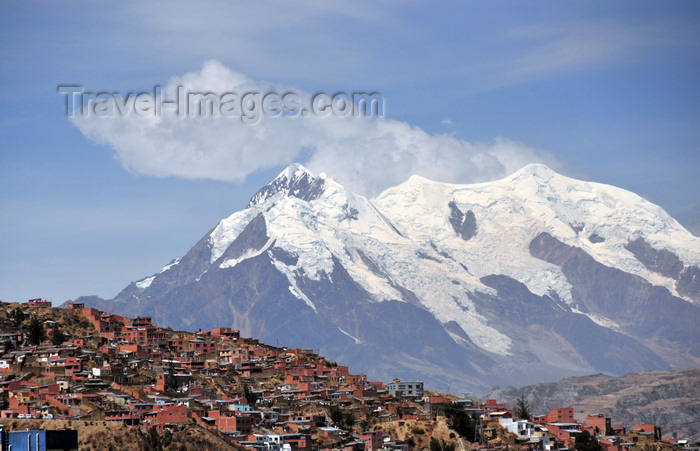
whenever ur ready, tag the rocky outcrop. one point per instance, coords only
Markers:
(670, 399)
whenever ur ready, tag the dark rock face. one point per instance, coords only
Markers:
(595, 238)
(642, 310)
(464, 224)
(662, 261)
(545, 247)
(602, 348)
(288, 258)
(423, 255)
(668, 264)
(688, 283)
(253, 237)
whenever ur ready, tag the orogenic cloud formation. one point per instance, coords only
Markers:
(366, 154)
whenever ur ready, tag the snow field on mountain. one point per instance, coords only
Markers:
(402, 241)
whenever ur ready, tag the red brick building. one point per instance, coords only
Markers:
(226, 332)
(232, 421)
(653, 431)
(599, 424)
(168, 415)
(39, 303)
(560, 415)
(373, 440)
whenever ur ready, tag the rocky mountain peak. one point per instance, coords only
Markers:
(296, 181)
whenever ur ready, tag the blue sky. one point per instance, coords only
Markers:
(604, 91)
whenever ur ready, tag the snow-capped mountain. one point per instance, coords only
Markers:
(520, 280)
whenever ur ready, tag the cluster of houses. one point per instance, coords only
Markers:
(135, 372)
(262, 397)
(558, 430)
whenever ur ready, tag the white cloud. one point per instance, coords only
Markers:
(367, 155)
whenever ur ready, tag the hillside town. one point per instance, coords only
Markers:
(64, 369)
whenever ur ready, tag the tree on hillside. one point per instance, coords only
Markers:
(250, 396)
(336, 415)
(58, 336)
(437, 445)
(349, 420)
(36, 334)
(17, 316)
(171, 383)
(364, 425)
(522, 409)
(460, 421)
(586, 442)
(153, 440)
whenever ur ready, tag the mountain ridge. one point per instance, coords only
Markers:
(339, 272)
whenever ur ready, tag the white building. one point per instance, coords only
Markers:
(405, 389)
(271, 442)
(526, 431)
(522, 428)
